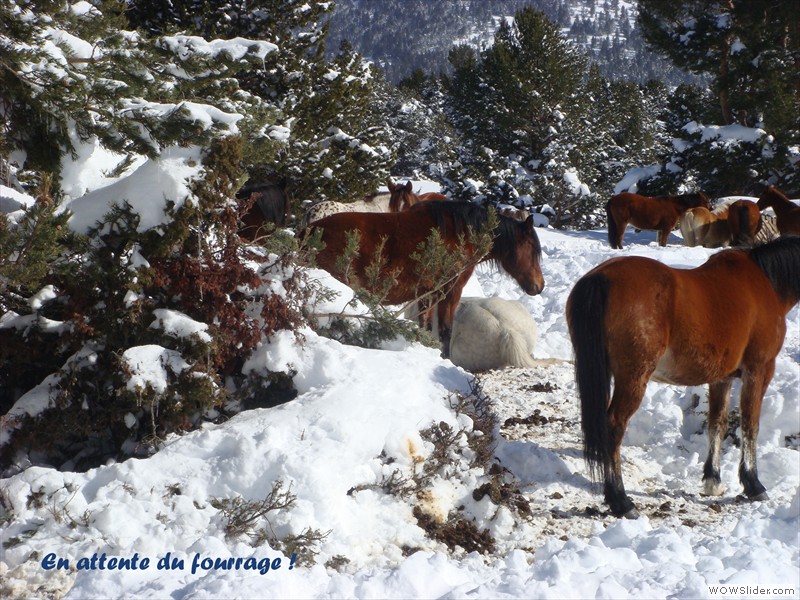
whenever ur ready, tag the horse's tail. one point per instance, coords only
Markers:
(744, 236)
(689, 228)
(586, 310)
(613, 233)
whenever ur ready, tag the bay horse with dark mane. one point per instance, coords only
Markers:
(633, 319)
(397, 237)
(402, 197)
(655, 213)
(744, 221)
(267, 203)
(786, 211)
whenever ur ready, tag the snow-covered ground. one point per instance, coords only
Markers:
(353, 448)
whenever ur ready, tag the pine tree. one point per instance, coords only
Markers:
(131, 93)
(748, 47)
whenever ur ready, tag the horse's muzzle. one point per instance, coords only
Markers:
(534, 289)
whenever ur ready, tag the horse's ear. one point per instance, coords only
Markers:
(390, 184)
(529, 222)
(409, 186)
(283, 182)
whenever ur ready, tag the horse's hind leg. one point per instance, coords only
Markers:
(719, 396)
(622, 224)
(754, 385)
(624, 402)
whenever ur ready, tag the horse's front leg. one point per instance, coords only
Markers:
(754, 386)
(718, 399)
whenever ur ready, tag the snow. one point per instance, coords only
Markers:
(726, 133)
(147, 190)
(358, 420)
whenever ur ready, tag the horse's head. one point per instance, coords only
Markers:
(521, 258)
(401, 196)
(701, 200)
(768, 197)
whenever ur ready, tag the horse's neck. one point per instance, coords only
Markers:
(781, 205)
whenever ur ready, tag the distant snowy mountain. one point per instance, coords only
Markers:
(403, 35)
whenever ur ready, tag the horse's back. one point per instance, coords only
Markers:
(643, 212)
(691, 326)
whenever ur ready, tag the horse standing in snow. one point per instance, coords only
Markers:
(492, 333)
(786, 211)
(634, 319)
(394, 241)
(660, 213)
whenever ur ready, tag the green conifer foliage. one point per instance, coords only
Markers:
(80, 70)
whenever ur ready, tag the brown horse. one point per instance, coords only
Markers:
(634, 319)
(744, 220)
(398, 236)
(660, 213)
(265, 203)
(703, 227)
(787, 212)
(402, 197)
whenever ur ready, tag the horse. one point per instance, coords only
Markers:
(492, 333)
(373, 203)
(265, 203)
(703, 227)
(660, 213)
(634, 319)
(402, 197)
(390, 241)
(786, 211)
(744, 219)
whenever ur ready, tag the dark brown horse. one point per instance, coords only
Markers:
(396, 237)
(634, 319)
(402, 197)
(266, 203)
(660, 213)
(787, 212)
(744, 222)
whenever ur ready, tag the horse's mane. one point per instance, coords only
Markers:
(780, 262)
(469, 215)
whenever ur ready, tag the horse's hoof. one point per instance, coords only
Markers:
(760, 497)
(631, 514)
(712, 488)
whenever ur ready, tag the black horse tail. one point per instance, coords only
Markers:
(743, 236)
(586, 310)
(612, 226)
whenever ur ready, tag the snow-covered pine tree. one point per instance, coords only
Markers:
(749, 50)
(88, 306)
(338, 147)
